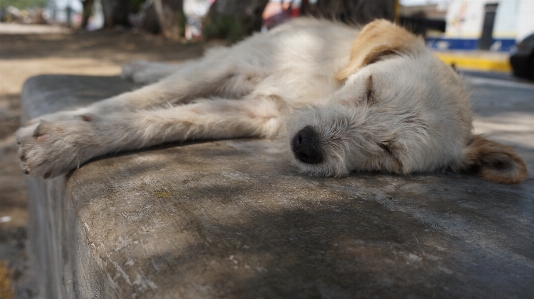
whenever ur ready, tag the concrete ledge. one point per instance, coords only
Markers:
(230, 219)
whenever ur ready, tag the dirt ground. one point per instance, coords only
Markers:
(26, 51)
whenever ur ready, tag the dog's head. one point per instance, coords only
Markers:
(400, 110)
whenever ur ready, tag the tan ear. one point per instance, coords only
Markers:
(494, 161)
(377, 40)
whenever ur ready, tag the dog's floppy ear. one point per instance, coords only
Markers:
(375, 42)
(495, 162)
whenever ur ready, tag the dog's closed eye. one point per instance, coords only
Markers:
(368, 98)
(370, 95)
(386, 146)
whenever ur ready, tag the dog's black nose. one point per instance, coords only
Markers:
(306, 147)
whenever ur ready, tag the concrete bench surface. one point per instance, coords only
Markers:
(232, 219)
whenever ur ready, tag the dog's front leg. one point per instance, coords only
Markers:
(57, 147)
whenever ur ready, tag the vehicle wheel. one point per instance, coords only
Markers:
(530, 68)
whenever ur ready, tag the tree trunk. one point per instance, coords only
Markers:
(170, 17)
(87, 12)
(150, 21)
(116, 13)
(358, 12)
(233, 19)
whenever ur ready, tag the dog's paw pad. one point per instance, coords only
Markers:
(86, 118)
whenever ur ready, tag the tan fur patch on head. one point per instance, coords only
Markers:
(377, 40)
(495, 162)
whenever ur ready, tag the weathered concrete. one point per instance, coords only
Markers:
(230, 219)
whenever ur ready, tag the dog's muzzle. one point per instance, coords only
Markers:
(305, 146)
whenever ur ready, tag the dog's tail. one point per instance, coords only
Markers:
(494, 162)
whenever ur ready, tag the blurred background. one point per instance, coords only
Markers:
(489, 39)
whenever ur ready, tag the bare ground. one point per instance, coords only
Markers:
(28, 51)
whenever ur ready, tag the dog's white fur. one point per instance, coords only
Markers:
(374, 100)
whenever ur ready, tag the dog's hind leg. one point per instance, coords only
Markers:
(140, 71)
(57, 147)
(199, 79)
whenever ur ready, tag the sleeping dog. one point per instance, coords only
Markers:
(341, 99)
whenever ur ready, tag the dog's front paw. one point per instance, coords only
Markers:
(135, 71)
(48, 149)
(144, 72)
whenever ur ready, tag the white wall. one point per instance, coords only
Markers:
(506, 19)
(514, 18)
(525, 19)
(465, 18)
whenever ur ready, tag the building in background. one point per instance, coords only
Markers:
(424, 19)
(495, 25)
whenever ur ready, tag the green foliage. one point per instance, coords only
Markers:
(23, 4)
(224, 27)
(136, 5)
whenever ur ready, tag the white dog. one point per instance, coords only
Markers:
(342, 100)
